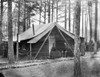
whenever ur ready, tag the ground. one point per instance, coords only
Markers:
(62, 67)
(54, 68)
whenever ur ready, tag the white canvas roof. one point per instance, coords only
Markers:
(40, 32)
(29, 32)
(45, 29)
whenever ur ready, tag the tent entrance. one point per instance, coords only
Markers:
(52, 42)
(66, 41)
(42, 44)
(52, 37)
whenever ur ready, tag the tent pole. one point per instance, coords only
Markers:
(42, 45)
(65, 39)
(30, 51)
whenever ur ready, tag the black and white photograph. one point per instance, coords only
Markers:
(49, 38)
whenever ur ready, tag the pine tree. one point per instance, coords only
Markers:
(10, 33)
(57, 11)
(45, 5)
(17, 54)
(24, 26)
(49, 11)
(85, 27)
(90, 18)
(52, 9)
(82, 19)
(96, 24)
(77, 68)
(69, 17)
(40, 11)
(1, 22)
(65, 14)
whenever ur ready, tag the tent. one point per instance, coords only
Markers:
(51, 40)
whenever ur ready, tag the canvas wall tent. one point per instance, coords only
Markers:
(49, 39)
(51, 36)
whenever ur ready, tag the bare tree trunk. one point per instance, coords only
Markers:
(45, 12)
(69, 17)
(65, 14)
(17, 53)
(10, 33)
(86, 27)
(27, 19)
(57, 11)
(90, 18)
(77, 67)
(82, 20)
(1, 21)
(73, 25)
(1, 34)
(24, 26)
(52, 9)
(40, 12)
(48, 11)
(96, 24)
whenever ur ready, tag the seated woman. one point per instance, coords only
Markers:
(54, 53)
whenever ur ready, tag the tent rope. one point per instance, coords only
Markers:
(42, 45)
(65, 39)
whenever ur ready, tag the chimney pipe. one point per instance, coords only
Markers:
(33, 29)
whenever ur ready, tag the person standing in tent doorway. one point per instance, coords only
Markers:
(53, 49)
(65, 50)
(82, 47)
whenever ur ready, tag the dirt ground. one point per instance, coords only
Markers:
(63, 67)
(49, 69)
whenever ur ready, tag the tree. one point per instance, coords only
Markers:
(82, 19)
(45, 5)
(96, 24)
(69, 17)
(40, 11)
(17, 54)
(85, 27)
(52, 9)
(65, 14)
(49, 11)
(77, 68)
(57, 11)
(90, 17)
(24, 28)
(1, 22)
(10, 33)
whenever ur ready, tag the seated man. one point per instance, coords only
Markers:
(68, 51)
(54, 53)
